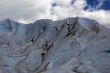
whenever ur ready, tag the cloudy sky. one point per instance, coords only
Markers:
(26, 11)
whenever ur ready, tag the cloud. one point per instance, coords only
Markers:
(30, 10)
(77, 9)
(101, 16)
(24, 10)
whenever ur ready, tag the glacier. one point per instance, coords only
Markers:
(72, 45)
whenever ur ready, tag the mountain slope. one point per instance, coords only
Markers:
(72, 45)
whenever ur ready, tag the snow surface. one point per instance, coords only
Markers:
(72, 45)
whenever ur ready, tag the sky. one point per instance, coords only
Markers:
(26, 11)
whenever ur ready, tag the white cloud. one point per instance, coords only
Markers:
(80, 4)
(31, 10)
(27, 10)
(77, 9)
